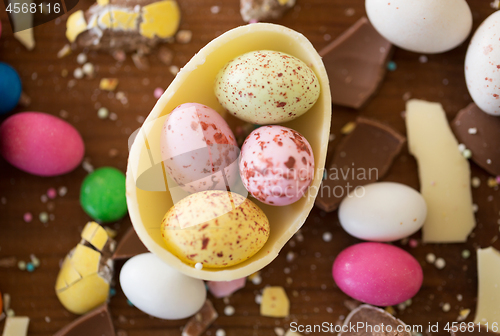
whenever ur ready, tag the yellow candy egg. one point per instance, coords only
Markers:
(215, 228)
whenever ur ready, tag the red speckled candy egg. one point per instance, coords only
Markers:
(276, 165)
(377, 273)
(40, 144)
(197, 145)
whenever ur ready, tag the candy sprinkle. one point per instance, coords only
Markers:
(392, 66)
(467, 153)
(28, 217)
(475, 182)
(44, 217)
(30, 267)
(21, 265)
(465, 254)
(430, 258)
(51, 193)
(198, 266)
(440, 263)
(229, 310)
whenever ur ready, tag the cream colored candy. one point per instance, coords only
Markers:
(274, 302)
(75, 25)
(84, 279)
(444, 174)
(488, 297)
(424, 26)
(149, 195)
(215, 228)
(16, 326)
(266, 87)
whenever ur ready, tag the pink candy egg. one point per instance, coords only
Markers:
(377, 273)
(197, 146)
(40, 144)
(276, 165)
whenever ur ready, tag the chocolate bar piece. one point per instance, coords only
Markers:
(97, 322)
(480, 133)
(262, 10)
(130, 245)
(367, 320)
(356, 64)
(201, 321)
(362, 157)
(478, 330)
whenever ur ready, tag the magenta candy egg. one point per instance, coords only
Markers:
(276, 165)
(40, 144)
(197, 147)
(377, 273)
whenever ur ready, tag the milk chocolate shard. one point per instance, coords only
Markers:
(201, 320)
(130, 245)
(479, 132)
(367, 320)
(488, 298)
(444, 174)
(261, 10)
(135, 25)
(478, 330)
(97, 322)
(356, 64)
(362, 157)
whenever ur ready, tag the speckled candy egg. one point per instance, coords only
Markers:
(215, 228)
(40, 144)
(378, 274)
(266, 87)
(10, 88)
(482, 65)
(276, 165)
(197, 145)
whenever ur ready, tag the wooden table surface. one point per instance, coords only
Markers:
(314, 296)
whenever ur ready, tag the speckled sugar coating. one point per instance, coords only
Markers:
(266, 87)
(277, 165)
(215, 228)
(196, 145)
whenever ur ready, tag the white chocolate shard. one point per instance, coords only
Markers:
(444, 174)
(23, 25)
(16, 326)
(488, 297)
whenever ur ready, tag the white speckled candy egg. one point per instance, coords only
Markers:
(383, 212)
(267, 87)
(424, 26)
(159, 290)
(276, 165)
(482, 65)
(196, 146)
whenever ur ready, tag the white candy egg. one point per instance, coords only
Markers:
(424, 26)
(159, 290)
(383, 212)
(482, 65)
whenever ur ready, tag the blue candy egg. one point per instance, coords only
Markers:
(10, 88)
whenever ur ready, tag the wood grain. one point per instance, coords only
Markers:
(313, 294)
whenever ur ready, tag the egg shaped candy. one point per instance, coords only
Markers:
(423, 26)
(267, 87)
(10, 87)
(377, 274)
(215, 228)
(383, 212)
(159, 290)
(40, 144)
(482, 66)
(199, 149)
(276, 165)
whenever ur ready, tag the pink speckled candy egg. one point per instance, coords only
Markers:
(41, 144)
(276, 165)
(197, 145)
(377, 273)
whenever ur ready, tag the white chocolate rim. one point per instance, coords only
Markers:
(194, 83)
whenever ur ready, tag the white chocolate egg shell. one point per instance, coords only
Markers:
(148, 203)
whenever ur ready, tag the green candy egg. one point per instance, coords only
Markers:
(102, 195)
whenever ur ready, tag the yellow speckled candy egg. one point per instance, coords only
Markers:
(215, 228)
(267, 87)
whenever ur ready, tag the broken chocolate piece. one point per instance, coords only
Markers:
(364, 156)
(367, 320)
(478, 330)
(97, 322)
(356, 64)
(201, 320)
(260, 10)
(130, 245)
(479, 132)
